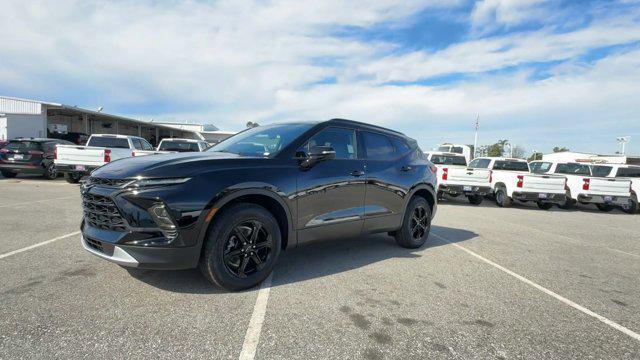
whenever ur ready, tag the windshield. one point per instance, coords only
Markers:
(601, 171)
(108, 142)
(448, 160)
(262, 141)
(180, 146)
(539, 167)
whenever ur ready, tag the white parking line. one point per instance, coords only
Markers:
(252, 337)
(564, 300)
(38, 245)
(38, 201)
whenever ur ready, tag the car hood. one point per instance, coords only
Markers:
(165, 165)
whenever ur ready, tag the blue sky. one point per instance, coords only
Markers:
(540, 73)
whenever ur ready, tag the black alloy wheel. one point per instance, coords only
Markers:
(51, 173)
(248, 248)
(419, 223)
(416, 224)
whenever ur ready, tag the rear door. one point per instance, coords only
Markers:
(391, 172)
(330, 197)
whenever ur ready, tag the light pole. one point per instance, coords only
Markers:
(623, 140)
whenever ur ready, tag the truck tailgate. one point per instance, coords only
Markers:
(543, 183)
(609, 186)
(468, 176)
(80, 155)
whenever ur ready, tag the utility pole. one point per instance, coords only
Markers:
(623, 140)
(475, 140)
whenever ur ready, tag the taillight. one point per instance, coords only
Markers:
(133, 153)
(520, 181)
(585, 185)
(490, 176)
(445, 173)
(107, 155)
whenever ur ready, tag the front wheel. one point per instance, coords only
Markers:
(604, 207)
(242, 247)
(8, 174)
(544, 205)
(475, 199)
(416, 224)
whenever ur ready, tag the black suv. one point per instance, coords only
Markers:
(30, 156)
(231, 209)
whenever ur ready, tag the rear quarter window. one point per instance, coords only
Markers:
(378, 147)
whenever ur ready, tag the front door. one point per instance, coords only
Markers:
(330, 196)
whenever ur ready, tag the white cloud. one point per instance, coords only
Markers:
(489, 14)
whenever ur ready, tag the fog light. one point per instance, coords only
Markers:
(161, 217)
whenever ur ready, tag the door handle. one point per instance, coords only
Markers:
(356, 173)
(405, 168)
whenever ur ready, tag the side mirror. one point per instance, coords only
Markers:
(315, 155)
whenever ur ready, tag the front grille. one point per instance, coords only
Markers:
(106, 182)
(102, 213)
(95, 245)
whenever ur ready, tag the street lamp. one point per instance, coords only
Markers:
(623, 140)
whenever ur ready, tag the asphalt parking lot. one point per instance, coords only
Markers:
(491, 283)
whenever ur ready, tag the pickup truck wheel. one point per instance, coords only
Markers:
(51, 173)
(416, 224)
(604, 207)
(8, 174)
(475, 199)
(631, 207)
(502, 199)
(544, 205)
(242, 247)
(72, 178)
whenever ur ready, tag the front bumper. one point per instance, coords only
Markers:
(464, 189)
(34, 169)
(540, 196)
(604, 199)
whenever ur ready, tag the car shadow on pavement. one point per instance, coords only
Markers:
(309, 261)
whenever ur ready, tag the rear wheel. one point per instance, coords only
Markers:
(51, 172)
(544, 205)
(8, 174)
(72, 178)
(475, 199)
(416, 224)
(242, 247)
(604, 207)
(631, 207)
(568, 203)
(502, 199)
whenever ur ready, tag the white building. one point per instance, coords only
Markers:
(32, 118)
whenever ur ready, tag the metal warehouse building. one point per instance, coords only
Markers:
(31, 118)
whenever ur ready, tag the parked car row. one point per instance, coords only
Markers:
(509, 180)
(50, 157)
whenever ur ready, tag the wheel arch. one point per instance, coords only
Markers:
(427, 192)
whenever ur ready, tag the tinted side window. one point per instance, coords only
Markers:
(136, 144)
(343, 141)
(573, 169)
(628, 172)
(402, 148)
(601, 171)
(540, 167)
(480, 163)
(145, 145)
(511, 165)
(378, 146)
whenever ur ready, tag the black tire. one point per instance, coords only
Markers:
(8, 174)
(544, 205)
(440, 195)
(72, 178)
(631, 208)
(233, 264)
(475, 199)
(502, 199)
(568, 203)
(50, 173)
(415, 225)
(604, 207)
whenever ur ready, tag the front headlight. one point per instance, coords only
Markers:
(158, 182)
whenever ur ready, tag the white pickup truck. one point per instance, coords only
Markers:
(511, 180)
(455, 178)
(584, 187)
(76, 161)
(622, 172)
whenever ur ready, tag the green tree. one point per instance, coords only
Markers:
(560, 149)
(495, 150)
(535, 156)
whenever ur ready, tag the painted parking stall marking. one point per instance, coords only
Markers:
(14, 252)
(252, 336)
(561, 298)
